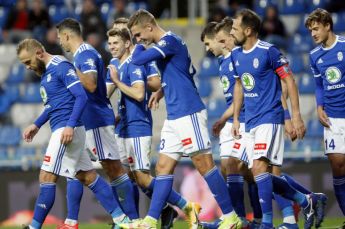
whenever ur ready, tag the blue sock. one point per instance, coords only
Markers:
(254, 200)
(295, 184)
(44, 203)
(105, 196)
(265, 186)
(74, 194)
(284, 205)
(125, 193)
(235, 188)
(174, 197)
(162, 188)
(136, 195)
(339, 189)
(218, 188)
(282, 187)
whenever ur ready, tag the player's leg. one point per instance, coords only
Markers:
(101, 142)
(337, 162)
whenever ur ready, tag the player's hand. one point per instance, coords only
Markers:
(113, 74)
(154, 100)
(30, 132)
(324, 120)
(289, 130)
(235, 130)
(67, 135)
(117, 120)
(217, 127)
(298, 125)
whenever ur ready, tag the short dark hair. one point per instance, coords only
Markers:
(249, 19)
(120, 20)
(123, 33)
(209, 31)
(225, 24)
(70, 24)
(320, 16)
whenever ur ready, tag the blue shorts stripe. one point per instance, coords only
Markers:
(98, 143)
(140, 152)
(61, 156)
(57, 159)
(198, 130)
(198, 140)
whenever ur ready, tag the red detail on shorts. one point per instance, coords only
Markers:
(260, 146)
(130, 160)
(237, 145)
(283, 71)
(94, 151)
(186, 141)
(47, 158)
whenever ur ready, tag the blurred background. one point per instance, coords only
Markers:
(20, 102)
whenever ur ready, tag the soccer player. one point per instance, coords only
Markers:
(185, 130)
(326, 61)
(259, 67)
(64, 100)
(98, 116)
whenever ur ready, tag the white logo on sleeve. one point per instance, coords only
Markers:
(72, 73)
(138, 72)
(90, 62)
(162, 43)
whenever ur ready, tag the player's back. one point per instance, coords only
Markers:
(328, 63)
(59, 76)
(262, 87)
(177, 73)
(98, 111)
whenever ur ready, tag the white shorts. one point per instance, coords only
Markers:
(66, 160)
(266, 140)
(100, 143)
(138, 152)
(121, 150)
(230, 147)
(334, 137)
(187, 135)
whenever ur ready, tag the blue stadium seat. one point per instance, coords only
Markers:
(204, 87)
(216, 107)
(12, 92)
(261, 5)
(302, 30)
(58, 13)
(16, 74)
(338, 22)
(5, 104)
(31, 94)
(134, 6)
(292, 7)
(314, 144)
(3, 153)
(306, 84)
(314, 4)
(209, 67)
(105, 10)
(296, 62)
(25, 152)
(299, 43)
(3, 16)
(55, 2)
(9, 136)
(314, 129)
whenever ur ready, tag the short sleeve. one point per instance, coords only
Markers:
(136, 74)
(151, 69)
(86, 62)
(68, 74)
(167, 46)
(313, 67)
(232, 67)
(116, 63)
(277, 59)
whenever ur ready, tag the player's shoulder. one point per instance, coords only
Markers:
(84, 51)
(341, 39)
(115, 61)
(60, 62)
(264, 45)
(315, 51)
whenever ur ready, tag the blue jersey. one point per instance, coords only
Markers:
(135, 117)
(59, 76)
(227, 80)
(177, 71)
(328, 67)
(261, 85)
(98, 111)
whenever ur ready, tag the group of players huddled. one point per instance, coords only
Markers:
(149, 64)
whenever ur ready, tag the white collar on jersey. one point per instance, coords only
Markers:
(332, 46)
(82, 45)
(250, 50)
(227, 55)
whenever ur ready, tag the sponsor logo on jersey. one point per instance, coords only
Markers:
(333, 75)
(248, 81)
(43, 94)
(256, 63)
(186, 141)
(340, 56)
(225, 83)
(260, 146)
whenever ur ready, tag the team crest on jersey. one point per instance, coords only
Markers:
(340, 56)
(90, 62)
(225, 83)
(162, 43)
(256, 63)
(49, 78)
(231, 68)
(44, 95)
(248, 81)
(333, 74)
(138, 72)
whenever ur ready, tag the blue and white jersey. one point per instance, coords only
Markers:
(60, 75)
(98, 111)
(135, 117)
(227, 80)
(177, 71)
(328, 67)
(261, 85)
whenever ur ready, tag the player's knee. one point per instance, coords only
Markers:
(143, 179)
(87, 177)
(47, 177)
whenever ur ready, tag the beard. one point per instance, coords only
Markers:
(41, 68)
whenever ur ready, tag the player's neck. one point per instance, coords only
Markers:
(125, 56)
(158, 34)
(47, 58)
(225, 52)
(75, 44)
(330, 41)
(250, 42)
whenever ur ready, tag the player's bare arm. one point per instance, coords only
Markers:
(324, 120)
(30, 132)
(110, 89)
(155, 98)
(154, 83)
(238, 100)
(289, 129)
(220, 123)
(88, 80)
